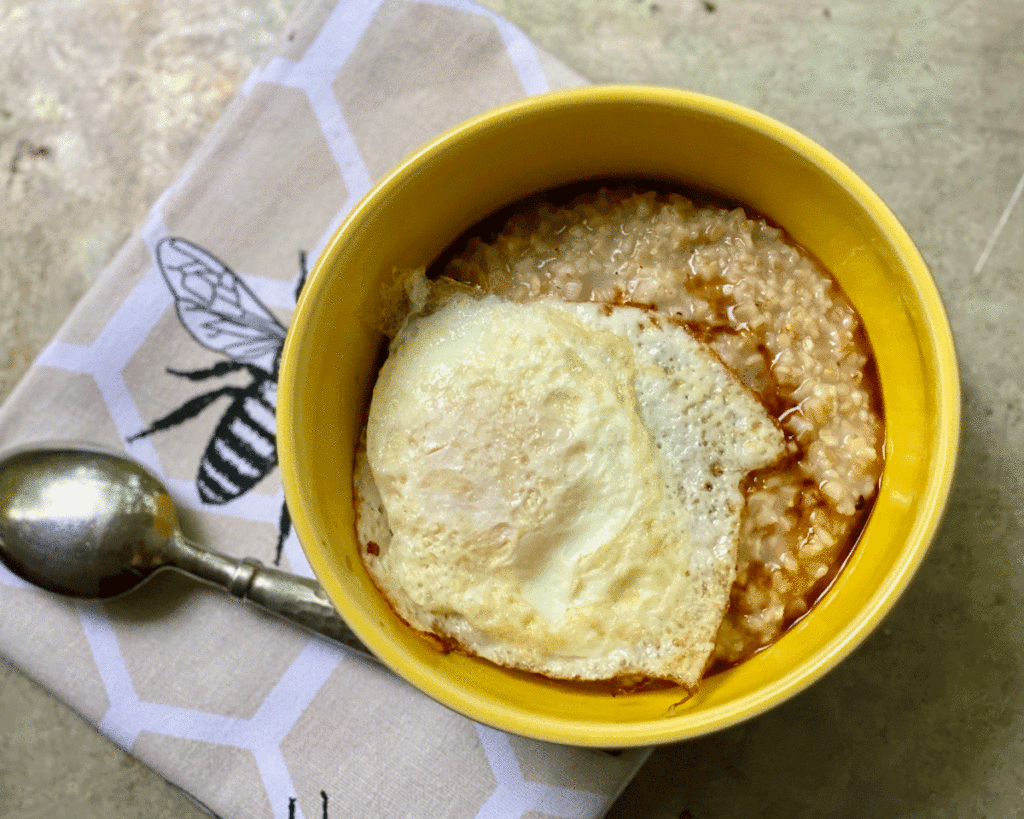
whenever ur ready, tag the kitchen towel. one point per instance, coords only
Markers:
(253, 717)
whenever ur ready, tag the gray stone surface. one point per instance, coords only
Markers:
(102, 101)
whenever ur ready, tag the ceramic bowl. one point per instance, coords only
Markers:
(410, 217)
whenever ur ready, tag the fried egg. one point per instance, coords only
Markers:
(555, 487)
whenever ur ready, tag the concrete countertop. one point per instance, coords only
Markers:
(102, 102)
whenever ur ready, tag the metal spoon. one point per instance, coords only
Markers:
(85, 522)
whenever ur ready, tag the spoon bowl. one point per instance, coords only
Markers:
(85, 522)
(81, 521)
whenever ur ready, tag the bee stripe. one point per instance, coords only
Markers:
(258, 439)
(237, 462)
(214, 485)
(263, 403)
(220, 478)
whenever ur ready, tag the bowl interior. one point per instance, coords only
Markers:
(331, 355)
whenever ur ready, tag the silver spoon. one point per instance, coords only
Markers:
(85, 522)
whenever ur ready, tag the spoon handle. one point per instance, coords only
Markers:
(296, 599)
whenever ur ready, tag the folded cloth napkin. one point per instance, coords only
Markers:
(253, 717)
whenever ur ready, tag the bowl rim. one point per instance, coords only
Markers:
(814, 667)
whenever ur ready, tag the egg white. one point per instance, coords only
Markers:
(555, 487)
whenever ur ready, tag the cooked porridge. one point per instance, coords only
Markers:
(775, 317)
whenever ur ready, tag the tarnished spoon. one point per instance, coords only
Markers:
(85, 522)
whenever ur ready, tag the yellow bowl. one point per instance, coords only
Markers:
(435, 194)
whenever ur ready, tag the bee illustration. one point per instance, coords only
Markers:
(220, 312)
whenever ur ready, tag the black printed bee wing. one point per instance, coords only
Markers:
(216, 306)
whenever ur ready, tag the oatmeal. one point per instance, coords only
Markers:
(775, 317)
